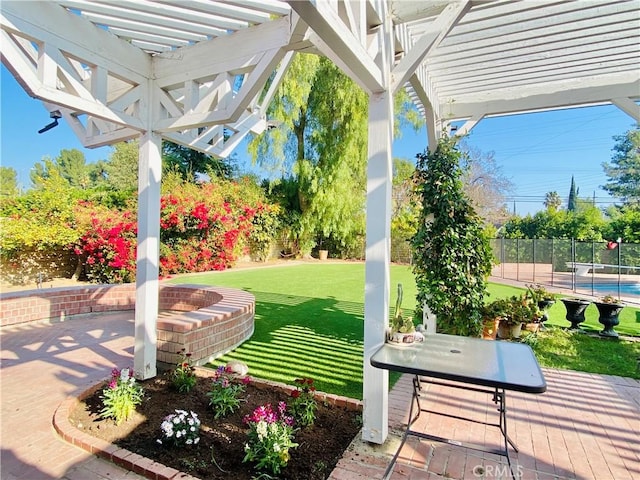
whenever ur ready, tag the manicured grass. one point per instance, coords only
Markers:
(558, 347)
(309, 320)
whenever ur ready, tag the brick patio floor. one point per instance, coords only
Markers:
(584, 427)
(42, 365)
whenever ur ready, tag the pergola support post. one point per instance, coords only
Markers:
(377, 275)
(147, 269)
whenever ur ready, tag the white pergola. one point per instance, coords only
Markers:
(194, 72)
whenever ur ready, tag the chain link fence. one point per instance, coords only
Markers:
(591, 268)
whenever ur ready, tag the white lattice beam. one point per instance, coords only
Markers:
(340, 43)
(431, 37)
(546, 96)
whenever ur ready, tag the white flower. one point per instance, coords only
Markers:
(124, 374)
(196, 440)
(276, 447)
(193, 429)
(261, 429)
(189, 441)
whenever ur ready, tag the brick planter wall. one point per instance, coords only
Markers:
(208, 321)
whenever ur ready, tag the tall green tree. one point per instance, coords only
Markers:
(624, 169)
(573, 196)
(8, 182)
(122, 166)
(625, 223)
(319, 145)
(121, 170)
(73, 167)
(191, 163)
(452, 255)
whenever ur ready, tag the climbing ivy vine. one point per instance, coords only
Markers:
(452, 256)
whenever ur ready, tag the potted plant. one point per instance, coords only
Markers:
(609, 308)
(543, 298)
(575, 310)
(492, 313)
(402, 331)
(518, 310)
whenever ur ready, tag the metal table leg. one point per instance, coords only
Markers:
(499, 398)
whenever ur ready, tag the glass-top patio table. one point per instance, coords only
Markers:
(466, 363)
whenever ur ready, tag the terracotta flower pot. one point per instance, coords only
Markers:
(490, 329)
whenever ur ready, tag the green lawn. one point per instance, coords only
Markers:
(309, 320)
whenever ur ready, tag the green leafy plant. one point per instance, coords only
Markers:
(452, 253)
(122, 396)
(224, 395)
(520, 309)
(180, 428)
(270, 437)
(184, 376)
(303, 403)
(538, 293)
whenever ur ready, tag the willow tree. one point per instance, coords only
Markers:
(319, 146)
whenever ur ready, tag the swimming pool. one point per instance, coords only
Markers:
(626, 289)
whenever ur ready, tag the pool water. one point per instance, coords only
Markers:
(626, 289)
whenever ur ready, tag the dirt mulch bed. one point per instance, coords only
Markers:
(221, 449)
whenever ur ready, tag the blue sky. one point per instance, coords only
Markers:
(537, 152)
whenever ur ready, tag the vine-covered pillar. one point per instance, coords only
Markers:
(148, 253)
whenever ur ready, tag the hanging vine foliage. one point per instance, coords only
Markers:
(452, 255)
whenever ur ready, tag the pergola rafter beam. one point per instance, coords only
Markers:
(628, 106)
(547, 96)
(78, 38)
(430, 38)
(342, 44)
(137, 10)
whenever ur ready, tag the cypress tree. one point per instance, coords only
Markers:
(571, 204)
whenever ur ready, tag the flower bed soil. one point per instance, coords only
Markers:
(221, 449)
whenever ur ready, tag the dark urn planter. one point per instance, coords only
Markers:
(575, 310)
(608, 316)
(544, 305)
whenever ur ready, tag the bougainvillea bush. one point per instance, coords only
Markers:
(202, 227)
(107, 245)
